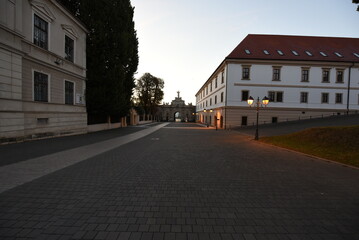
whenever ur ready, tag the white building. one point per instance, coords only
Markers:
(304, 77)
(42, 70)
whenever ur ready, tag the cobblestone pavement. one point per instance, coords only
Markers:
(187, 184)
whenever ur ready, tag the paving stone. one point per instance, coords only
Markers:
(217, 185)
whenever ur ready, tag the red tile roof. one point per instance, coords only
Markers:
(253, 46)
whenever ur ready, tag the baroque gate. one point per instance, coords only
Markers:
(177, 111)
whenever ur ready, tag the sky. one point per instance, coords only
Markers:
(184, 41)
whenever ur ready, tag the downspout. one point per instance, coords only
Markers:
(350, 70)
(225, 103)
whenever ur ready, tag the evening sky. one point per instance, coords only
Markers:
(184, 41)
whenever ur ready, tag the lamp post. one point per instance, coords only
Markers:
(257, 104)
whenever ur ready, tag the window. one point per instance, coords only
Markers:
(245, 73)
(41, 83)
(266, 52)
(215, 99)
(69, 93)
(356, 54)
(304, 97)
(244, 120)
(275, 96)
(206, 103)
(276, 74)
(222, 96)
(210, 102)
(309, 53)
(69, 49)
(340, 74)
(305, 75)
(325, 97)
(326, 75)
(222, 77)
(274, 119)
(216, 83)
(245, 95)
(247, 51)
(338, 98)
(323, 54)
(210, 87)
(280, 52)
(295, 53)
(40, 32)
(338, 54)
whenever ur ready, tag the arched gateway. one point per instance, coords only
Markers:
(177, 111)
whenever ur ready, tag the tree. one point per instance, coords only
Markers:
(112, 54)
(149, 92)
(356, 2)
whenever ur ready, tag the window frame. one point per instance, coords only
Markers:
(273, 96)
(276, 73)
(243, 92)
(72, 59)
(325, 76)
(246, 72)
(339, 70)
(326, 94)
(34, 29)
(73, 92)
(304, 97)
(337, 98)
(48, 97)
(305, 74)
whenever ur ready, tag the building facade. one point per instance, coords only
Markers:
(177, 111)
(303, 77)
(42, 70)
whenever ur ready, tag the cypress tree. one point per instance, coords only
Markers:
(112, 54)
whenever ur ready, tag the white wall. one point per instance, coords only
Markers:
(203, 96)
(261, 83)
(57, 20)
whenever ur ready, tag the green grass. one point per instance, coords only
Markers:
(340, 144)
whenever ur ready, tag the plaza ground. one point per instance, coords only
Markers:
(172, 181)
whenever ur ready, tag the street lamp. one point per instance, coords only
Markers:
(258, 104)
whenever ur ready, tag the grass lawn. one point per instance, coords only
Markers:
(340, 144)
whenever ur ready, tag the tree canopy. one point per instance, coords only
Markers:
(112, 54)
(356, 2)
(149, 92)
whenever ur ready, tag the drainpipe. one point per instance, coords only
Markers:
(225, 102)
(350, 70)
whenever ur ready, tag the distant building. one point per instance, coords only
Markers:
(42, 70)
(177, 111)
(302, 76)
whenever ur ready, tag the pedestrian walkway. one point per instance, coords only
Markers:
(185, 184)
(25, 171)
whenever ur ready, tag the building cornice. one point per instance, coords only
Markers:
(294, 86)
(292, 62)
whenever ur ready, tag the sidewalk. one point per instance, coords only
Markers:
(17, 152)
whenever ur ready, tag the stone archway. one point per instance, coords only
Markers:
(177, 116)
(167, 112)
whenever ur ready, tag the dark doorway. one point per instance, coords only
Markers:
(244, 120)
